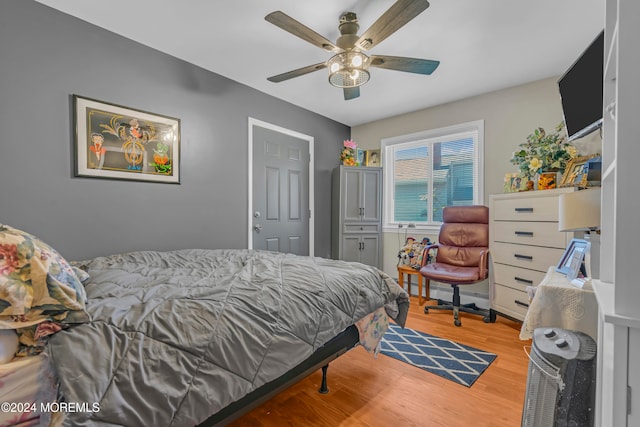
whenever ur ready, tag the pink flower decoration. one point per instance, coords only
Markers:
(46, 328)
(9, 260)
(350, 144)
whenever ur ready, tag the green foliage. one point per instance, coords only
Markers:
(543, 152)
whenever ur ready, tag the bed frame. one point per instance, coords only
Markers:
(333, 349)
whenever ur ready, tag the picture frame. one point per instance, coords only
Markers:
(360, 156)
(373, 158)
(572, 261)
(513, 182)
(576, 172)
(116, 142)
(547, 180)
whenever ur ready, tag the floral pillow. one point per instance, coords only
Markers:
(39, 291)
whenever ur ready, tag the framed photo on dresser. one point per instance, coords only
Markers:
(577, 171)
(572, 262)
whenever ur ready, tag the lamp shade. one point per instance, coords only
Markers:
(348, 69)
(579, 210)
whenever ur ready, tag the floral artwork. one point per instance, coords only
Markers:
(118, 142)
(349, 153)
(543, 152)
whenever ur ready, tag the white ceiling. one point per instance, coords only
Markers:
(483, 45)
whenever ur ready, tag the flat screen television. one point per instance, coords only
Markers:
(581, 91)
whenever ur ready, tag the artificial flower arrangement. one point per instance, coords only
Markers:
(544, 152)
(348, 154)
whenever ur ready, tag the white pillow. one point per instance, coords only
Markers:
(8, 345)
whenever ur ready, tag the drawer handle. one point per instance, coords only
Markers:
(522, 304)
(524, 233)
(527, 257)
(520, 279)
(528, 210)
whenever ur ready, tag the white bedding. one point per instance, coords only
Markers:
(27, 385)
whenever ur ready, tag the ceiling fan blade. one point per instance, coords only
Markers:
(401, 12)
(400, 63)
(298, 29)
(297, 73)
(351, 92)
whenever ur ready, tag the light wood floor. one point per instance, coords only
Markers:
(364, 391)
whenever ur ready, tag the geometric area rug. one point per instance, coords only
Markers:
(456, 362)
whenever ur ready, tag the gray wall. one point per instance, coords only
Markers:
(46, 56)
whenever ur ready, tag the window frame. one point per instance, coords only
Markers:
(444, 134)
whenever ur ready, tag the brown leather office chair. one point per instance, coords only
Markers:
(462, 257)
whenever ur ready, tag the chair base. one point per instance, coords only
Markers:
(489, 316)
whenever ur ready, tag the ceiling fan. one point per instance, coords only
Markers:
(349, 67)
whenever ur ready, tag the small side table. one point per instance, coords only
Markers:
(410, 271)
(557, 303)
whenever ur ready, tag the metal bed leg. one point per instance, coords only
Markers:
(323, 387)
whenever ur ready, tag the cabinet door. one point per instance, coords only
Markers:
(351, 248)
(370, 252)
(351, 197)
(370, 194)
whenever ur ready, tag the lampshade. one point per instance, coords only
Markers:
(348, 69)
(579, 210)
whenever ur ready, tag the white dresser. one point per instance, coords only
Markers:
(524, 242)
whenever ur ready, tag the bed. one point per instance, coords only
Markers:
(198, 337)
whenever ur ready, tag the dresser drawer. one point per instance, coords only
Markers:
(510, 301)
(529, 233)
(526, 209)
(361, 228)
(531, 257)
(516, 277)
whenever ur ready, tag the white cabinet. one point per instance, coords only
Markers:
(524, 242)
(357, 215)
(617, 291)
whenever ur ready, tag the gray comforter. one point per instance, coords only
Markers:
(177, 336)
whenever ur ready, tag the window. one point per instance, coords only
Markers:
(426, 171)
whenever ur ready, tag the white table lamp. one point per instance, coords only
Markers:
(580, 211)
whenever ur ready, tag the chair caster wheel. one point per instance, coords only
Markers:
(426, 310)
(457, 322)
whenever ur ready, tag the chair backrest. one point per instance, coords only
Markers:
(464, 235)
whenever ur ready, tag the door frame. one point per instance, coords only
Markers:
(310, 141)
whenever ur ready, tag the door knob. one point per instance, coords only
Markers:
(257, 227)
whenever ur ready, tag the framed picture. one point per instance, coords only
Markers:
(575, 175)
(117, 142)
(572, 261)
(360, 156)
(512, 182)
(547, 180)
(373, 158)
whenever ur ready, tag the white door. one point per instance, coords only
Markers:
(280, 214)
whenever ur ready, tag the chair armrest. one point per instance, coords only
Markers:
(425, 253)
(484, 263)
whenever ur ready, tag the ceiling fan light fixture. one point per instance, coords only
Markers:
(348, 69)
